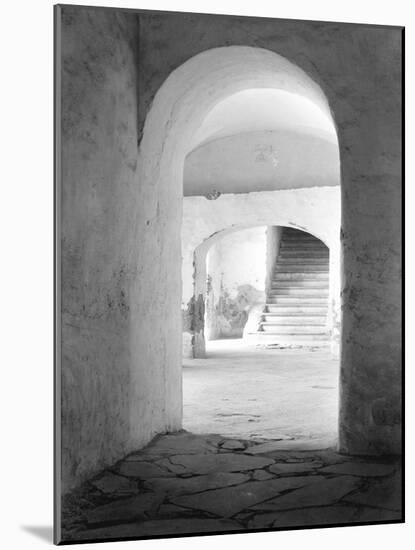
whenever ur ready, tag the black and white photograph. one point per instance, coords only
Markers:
(206, 275)
(228, 245)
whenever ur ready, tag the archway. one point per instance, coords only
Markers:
(177, 112)
(316, 211)
(263, 371)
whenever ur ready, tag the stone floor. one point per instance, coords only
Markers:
(185, 483)
(248, 392)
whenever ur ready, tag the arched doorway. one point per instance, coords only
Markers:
(178, 110)
(263, 370)
(306, 209)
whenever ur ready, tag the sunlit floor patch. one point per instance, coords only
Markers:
(249, 392)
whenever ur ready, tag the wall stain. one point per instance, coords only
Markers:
(230, 314)
(385, 412)
(193, 316)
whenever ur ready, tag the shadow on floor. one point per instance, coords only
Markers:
(43, 532)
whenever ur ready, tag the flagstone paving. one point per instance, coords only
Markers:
(186, 483)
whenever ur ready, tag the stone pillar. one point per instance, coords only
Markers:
(370, 141)
(198, 314)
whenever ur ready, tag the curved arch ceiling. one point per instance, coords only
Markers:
(262, 139)
(264, 109)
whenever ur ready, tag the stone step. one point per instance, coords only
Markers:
(306, 268)
(307, 241)
(291, 252)
(299, 291)
(297, 301)
(304, 236)
(300, 276)
(291, 239)
(293, 329)
(300, 261)
(302, 246)
(273, 319)
(303, 255)
(294, 310)
(300, 283)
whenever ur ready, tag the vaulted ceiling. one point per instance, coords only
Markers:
(262, 139)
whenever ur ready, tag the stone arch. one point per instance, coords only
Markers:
(178, 109)
(195, 87)
(330, 239)
(316, 211)
(184, 100)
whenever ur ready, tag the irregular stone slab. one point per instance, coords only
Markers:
(172, 511)
(159, 527)
(109, 532)
(124, 510)
(324, 515)
(265, 447)
(195, 484)
(232, 500)
(362, 469)
(183, 443)
(142, 470)
(226, 462)
(262, 521)
(322, 492)
(111, 483)
(366, 514)
(293, 456)
(291, 445)
(284, 468)
(331, 457)
(329, 515)
(385, 493)
(298, 460)
(139, 457)
(233, 445)
(305, 517)
(175, 468)
(261, 475)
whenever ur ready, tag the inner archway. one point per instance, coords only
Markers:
(316, 211)
(264, 370)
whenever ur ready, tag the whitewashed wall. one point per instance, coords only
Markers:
(236, 270)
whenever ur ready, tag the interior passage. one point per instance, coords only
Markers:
(255, 393)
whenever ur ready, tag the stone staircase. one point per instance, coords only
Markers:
(297, 302)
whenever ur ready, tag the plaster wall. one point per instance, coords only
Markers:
(262, 161)
(273, 234)
(236, 281)
(315, 210)
(118, 246)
